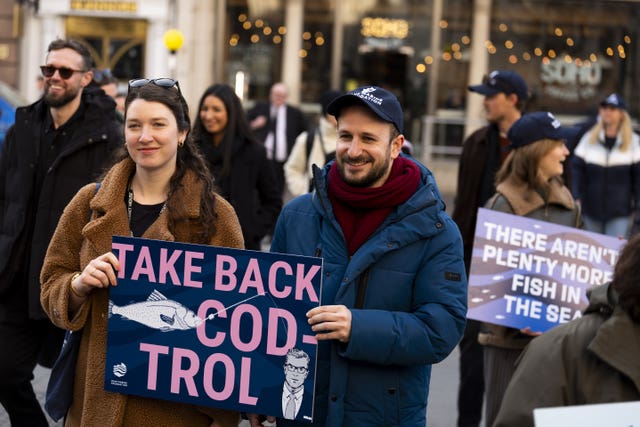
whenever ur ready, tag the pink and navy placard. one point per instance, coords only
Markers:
(211, 326)
(532, 273)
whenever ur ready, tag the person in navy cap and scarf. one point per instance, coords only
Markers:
(394, 286)
(528, 184)
(606, 170)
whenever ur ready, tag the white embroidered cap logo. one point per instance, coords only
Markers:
(554, 122)
(366, 94)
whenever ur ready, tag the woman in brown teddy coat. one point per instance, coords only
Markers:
(161, 190)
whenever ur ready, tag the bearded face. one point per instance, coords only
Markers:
(59, 91)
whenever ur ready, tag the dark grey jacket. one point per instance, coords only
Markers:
(590, 360)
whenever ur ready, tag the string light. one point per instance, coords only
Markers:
(453, 51)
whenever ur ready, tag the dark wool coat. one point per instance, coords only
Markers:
(479, 162)
(590, 360)
(250, 187)
(90, 142)
(296, 122)
(74, 244)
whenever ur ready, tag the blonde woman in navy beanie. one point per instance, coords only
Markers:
(528, 184)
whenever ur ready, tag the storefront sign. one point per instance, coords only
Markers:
(104, 6)
(570, 82)
(384, 28)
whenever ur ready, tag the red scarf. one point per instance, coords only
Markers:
(360, 211)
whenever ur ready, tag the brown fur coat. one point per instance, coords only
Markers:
(74, 244)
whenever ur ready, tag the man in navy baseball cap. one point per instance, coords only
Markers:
(383, 103)
(507, 82)
(505, 96)
(533, 127)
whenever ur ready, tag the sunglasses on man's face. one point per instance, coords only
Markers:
(65, 73)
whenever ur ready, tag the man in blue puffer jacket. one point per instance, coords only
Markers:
(394, 286)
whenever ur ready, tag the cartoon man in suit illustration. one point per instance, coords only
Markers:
(291, 396)
(296, 369)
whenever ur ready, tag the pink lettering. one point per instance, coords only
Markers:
(167, 266)
(226, 267)
(122, 256)
(185, 374)
(208, 377)
(252, 278)
(154, 350)
(189, 268)
(144, 265)
(303, 282)
(291, 328)
(245, 378)
(254, 313)
(201, 330)
(273, 279)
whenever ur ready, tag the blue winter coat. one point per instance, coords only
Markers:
(413, 288)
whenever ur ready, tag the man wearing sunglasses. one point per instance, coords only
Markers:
(57, 145)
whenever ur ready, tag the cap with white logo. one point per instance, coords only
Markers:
(533, 127)
(383, 103)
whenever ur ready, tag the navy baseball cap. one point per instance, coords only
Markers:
(382, 102)
(614, 100)
(533, 127)
(507, 82)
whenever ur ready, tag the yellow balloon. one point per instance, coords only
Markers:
(173, 40)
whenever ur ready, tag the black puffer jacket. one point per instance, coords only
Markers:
(90, 143)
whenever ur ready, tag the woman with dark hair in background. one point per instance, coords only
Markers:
(238, 162)
(159, 189)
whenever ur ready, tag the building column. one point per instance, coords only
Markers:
(478, 63)
(219, 40)
(338, 45)
(198, 20)
(291, 61)
(39, 31)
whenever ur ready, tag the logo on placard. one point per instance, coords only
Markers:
(120, 370)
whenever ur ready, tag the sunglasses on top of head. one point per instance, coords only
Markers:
(65, 73)
(165, 82)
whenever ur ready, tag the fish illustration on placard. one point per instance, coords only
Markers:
(158, 312)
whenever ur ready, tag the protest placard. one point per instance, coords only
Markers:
(532, 273)
(619, 414)
(212, 326)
